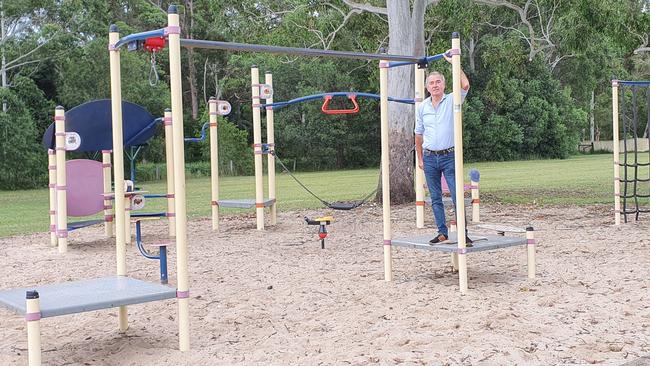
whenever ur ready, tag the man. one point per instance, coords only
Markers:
(434, 143)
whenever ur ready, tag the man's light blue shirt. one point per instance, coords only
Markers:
(436, 124)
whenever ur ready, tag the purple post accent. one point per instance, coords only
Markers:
(215, 203)
(170, 195)
(530, 241)
(107, 207)
(461, 250)
(51, 152)
(212, 100)
(51, 167)
(111, 47)
(59, 134)
(214, 124)
(32, 317)
(384, 64)
(256, 105)
(52, 212)
(107, 165)
(419, 99)
(60, 148)
(107, 151)
(387, 242)
(51, 185)
(259, 152)
(108, 218)
(53, 228)
(59, 118)
(170, 214)
(454, 51)
(85, 180)
(614, 82)
(269, 108)
(172, 29)
(182, 294)
(61, 188)
(617, 195)
(62, 233)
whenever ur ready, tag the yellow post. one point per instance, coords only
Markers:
(270, 140)
(419, 173)
(33, 318)
(476, 202)
(616, 145)
(530, 239)
(458, 156)
(257, 147)
(214, 161)
(385, 169)
(127, 219)
(118, 164)
(169, 162)
(61, 193)
(176, 86)
(51, 167)
(108, 215)
(454, 256)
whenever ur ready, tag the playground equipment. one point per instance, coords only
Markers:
(82, 187)
(322, 223)
(120, 291)
(634, 178)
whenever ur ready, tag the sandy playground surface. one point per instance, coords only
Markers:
(275, 298)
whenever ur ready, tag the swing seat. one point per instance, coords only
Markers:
(346, 206)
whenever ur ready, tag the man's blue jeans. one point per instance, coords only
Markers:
(434, 167)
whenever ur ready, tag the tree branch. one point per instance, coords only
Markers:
(366, 7)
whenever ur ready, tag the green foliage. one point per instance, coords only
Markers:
(22, 161)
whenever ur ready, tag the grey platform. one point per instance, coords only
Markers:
(243, 203)
(481, 243)
(87, 295)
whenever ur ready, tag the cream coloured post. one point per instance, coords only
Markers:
(51, 167)
(118, 164)
(176, 87)
(33, 318)
(385, 169)
(616, 145)
(61, 189)
(458, 152)
(257, 147)
(476, 201)
(530, 245)
(270, 140)
(169, 162)
(419, 173)
(108, 204)
(214, 162)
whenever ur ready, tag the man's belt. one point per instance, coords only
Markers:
(439, 152)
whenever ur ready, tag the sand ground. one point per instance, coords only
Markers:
(275, 298)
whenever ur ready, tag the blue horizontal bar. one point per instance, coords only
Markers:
(140, 36)
(628, 82)
(278, 105)
(155, 195)
(202, 137)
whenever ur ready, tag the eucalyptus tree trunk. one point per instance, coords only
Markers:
(406, 37)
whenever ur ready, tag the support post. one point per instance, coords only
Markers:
(530, 241)
(476, 202)
(108, 204)
(176, 86)
(51, 167)
(257, 147)
(61, 182)
(616, 148)
(169, 164)
(385, 169)
(118, 164)
(214, 162)
(458, 156)
(33, 318)
(270, 140)
(419, 173)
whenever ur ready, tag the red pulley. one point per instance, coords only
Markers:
(322, 235)
(154, 44)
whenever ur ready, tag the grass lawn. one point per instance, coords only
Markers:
(580, 180)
